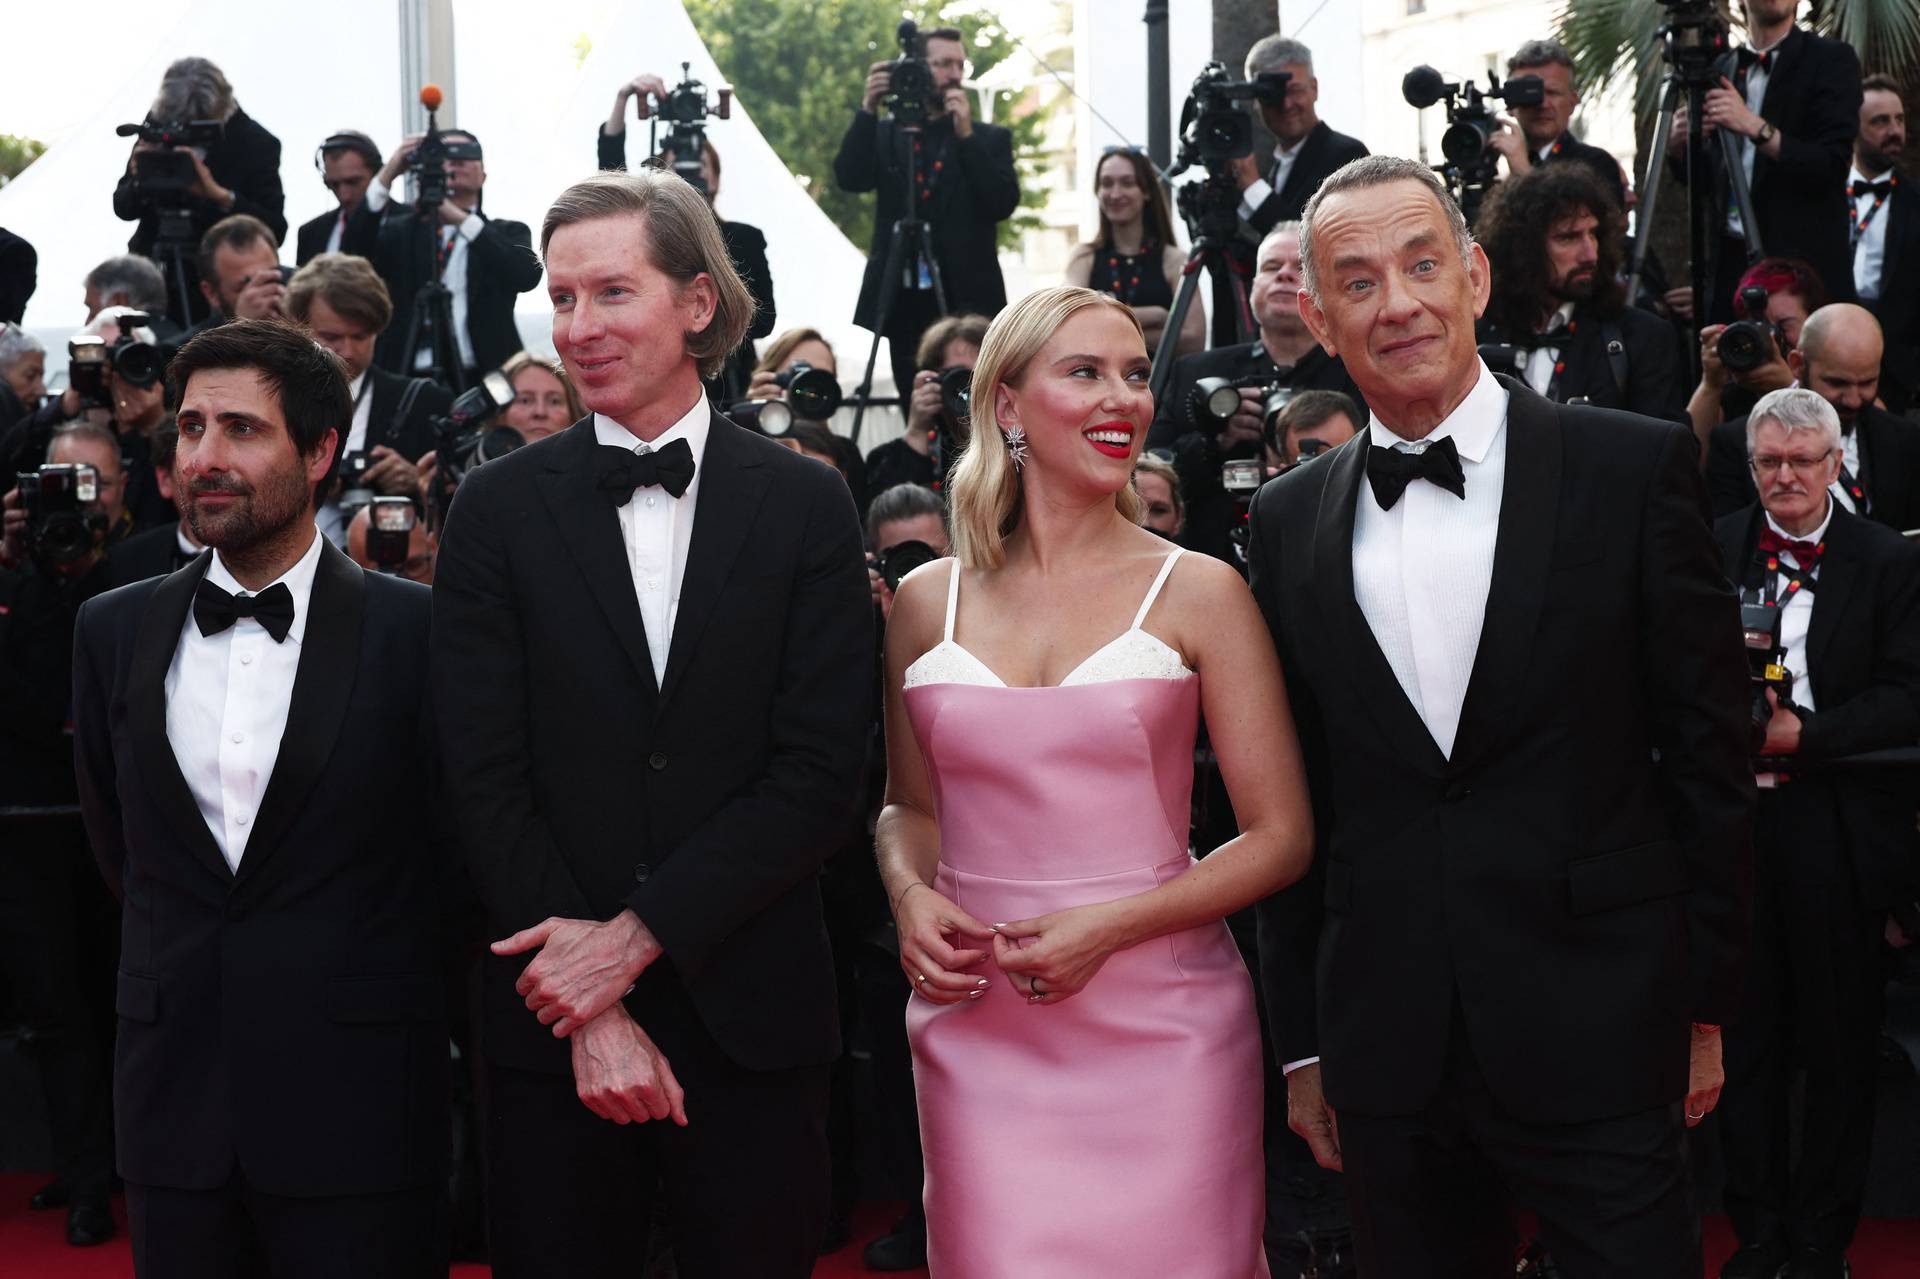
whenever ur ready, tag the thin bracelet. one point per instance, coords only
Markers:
(894, 906)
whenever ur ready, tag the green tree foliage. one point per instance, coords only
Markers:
(798, 70)
(16, 153)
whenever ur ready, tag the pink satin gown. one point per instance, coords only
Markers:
(1116, 1134)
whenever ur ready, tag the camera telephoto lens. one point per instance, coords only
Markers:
(1744, 346)
(813, 392)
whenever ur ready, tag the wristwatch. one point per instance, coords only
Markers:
(1766, 133)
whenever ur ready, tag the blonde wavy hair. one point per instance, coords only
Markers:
(983, 489)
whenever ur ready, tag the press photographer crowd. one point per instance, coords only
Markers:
(425, 841)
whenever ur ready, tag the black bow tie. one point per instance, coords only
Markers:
(1558, 335)
(1749, 60)
(214, 610)
(1391, 470)
(1863, 187)
(622, 470)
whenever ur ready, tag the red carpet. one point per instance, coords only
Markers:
(33, 1244)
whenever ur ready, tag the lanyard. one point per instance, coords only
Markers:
(1860, 221)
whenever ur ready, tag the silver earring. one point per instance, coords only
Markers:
(1016, 447)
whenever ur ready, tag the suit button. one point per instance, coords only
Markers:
(642, 873)
(656, 761)
(1455, 792)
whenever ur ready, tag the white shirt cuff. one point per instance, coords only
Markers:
(471, 226)
(1253, 197)
(1292, 1066)
(377, 195)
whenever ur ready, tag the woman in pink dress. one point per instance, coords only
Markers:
(1085, 1046)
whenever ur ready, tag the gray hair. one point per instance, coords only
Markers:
(1279, 229)
(1270, 53)
(135, 280)
(1540, 53)
(1795, 408)
(1374, 171)
(193, 89)
(79, 430)
(903, 502)
(113, 315)
(16, 344)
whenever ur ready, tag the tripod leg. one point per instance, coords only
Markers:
(1650, 186)
(1164, 356)
(1742, 196)
(882, 312)
(933, 269)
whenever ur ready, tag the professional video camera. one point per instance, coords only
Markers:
(686, 112)
(1214, 132)
(1471, 162)
(427, 169)
(465, 440)
(909, 93)
(901, 559)
(390, 532)
(90, 359)
(165, 176)
(1766, 664)
(1747, 344)
(60, 530)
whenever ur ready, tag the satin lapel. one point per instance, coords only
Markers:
(1522, 555)
(322, 687)
(591, 529)
(1834, 591)
(732, 482)
(1785, 59)
(153, 650)
(1355, 650)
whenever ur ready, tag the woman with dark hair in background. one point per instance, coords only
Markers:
(1135, 257)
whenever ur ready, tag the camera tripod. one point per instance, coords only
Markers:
(913, 231)
(174, 247)
(1214, 226)
(430, 326)
(1703, 229)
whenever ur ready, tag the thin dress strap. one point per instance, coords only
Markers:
(1153, 593)
(953, 598)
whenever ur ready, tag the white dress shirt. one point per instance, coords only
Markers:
(1256, 195)
(1421, 570)
(1796, 613)
(658, 528)
(1757, 77)
(1870, 251)
(1540, 360)
(227, 697)
(339, 229)
(453, 274)
(333, 520)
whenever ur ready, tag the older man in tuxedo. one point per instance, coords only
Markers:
(1516, 669)
(652, 662)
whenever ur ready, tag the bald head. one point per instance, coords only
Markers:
(1839, 357)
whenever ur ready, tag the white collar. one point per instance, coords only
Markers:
(692, 427)
(1775, 45)
(298, 581)
(1282, 152)
(1472, 424)
(1563, 316)
(186, 544)
(1816, 537)
(1854, 175)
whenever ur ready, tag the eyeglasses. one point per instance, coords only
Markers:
(1769, 465)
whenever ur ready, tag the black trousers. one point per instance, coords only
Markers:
(570, 1195)
(239, 1232)
(1433, 1193)
(1811, 1011)
(59, 939)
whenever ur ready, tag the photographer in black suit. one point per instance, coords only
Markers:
(746, 244)
(1540, 134)
(1885, 226)
(1835, 846)
(1839, 357)
(238, 174)
(281, 1076)
(347, 161)
(967, 186)
(1523, 895)
(157, 551)
(1558, 312)
(653, 659)
(1794, 104)
(485, 262)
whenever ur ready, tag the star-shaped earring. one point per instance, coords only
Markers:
(1017, 447)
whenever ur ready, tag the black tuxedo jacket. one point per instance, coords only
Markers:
(1658, 383)
(707, 806)
(410, 436)
(286, 1019)
(1890, 467)
(1898, 306)
(1600, 160)
(1321, 153)
(1813, 99)
(1577, 896)
(500, 267)
(974, 191)
(363, 231)
(1863, 668)
(19, 274)
(152, 553)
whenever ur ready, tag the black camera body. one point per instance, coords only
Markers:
(90, 359)
(1745, 345)
(427, 167)
(1697, 38)
(1467, 146)
(390, 525)
(1214, 132)
(1213, 401)
(60, 528)
(900, 559)
(686, 111)
(1766, 664)
(465, 440)
(909, 95)
(165, 177)
(951, 428)
(813, 393)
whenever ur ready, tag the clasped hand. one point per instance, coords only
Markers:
(583, 968)
(1053, 957)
